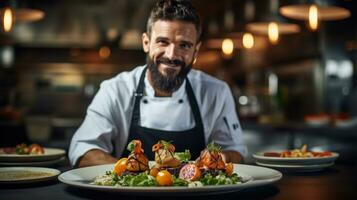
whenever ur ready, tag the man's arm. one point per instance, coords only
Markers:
(232, 156)
(95, 157)
(226, 131)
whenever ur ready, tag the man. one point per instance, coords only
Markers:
(163, 100)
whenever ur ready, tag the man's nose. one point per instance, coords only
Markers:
(171, 52)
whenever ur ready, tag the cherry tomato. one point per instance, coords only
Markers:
(164, 178)
(120, 166)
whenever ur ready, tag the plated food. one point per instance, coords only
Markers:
(170, 168)
(30, 155)
(298, 153)
(24, 149)
(252, 176)
(296, 160)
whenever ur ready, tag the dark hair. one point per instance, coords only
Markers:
(181, 10)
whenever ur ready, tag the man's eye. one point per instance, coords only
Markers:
(185, 46)
(162, 42)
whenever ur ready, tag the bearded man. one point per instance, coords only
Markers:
(163, 100)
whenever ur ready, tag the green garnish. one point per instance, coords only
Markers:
(179, 182)
(183, 156)
(142, 179)
(212, 147)
(131, 146)
(220, 179)
(165, 143)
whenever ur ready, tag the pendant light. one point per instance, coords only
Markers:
(272, 27)
(11, 15)
(314, 13)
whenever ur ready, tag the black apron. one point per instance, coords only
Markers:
(192, 139)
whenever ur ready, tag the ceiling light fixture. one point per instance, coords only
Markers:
(272, 29)
(12, 15)
(248, 40)
(8, 20)
(314, 13)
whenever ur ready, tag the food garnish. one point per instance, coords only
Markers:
(298, 153)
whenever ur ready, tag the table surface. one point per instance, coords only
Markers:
(337, 182)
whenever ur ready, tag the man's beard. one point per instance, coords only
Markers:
(170, 82)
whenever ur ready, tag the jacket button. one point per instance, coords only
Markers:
(145, 101)
(180, 101)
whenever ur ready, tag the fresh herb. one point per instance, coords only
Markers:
(212, 147)
(183, 156)
(131, 146)
(166, 144)
(141, 179)
(220, 179)
(179, 182)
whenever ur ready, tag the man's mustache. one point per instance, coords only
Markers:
(168, 61)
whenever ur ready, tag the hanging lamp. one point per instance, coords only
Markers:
(314, 13)
(272, 27)
(11, 15)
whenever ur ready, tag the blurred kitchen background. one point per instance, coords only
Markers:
(294, 81)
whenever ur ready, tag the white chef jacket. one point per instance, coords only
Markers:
(106, 125)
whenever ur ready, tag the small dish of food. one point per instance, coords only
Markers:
(30, 153)
(295, 157)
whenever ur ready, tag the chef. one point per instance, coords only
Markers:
(163, 100)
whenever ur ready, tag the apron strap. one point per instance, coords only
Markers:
(139, 93)
(194, 106)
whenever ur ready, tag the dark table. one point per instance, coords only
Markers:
(337, 182)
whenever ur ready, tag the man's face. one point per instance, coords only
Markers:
(171, 49)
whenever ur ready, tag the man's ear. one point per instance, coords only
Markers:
(197, 48)
(146, 42)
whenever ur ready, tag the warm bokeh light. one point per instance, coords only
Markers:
(273, 32)
(104, 52)
(313, 17)
(7, 20)
(248, 40)
(227, 46)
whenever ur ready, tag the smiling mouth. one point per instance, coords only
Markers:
(171, 66)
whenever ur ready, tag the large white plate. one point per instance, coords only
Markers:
(259, 157)
(12, 175)
(33, 164)
(298, 168)
(258, 176)
(50, 154)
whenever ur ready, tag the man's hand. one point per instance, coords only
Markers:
(96, 157)
(232, 156)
